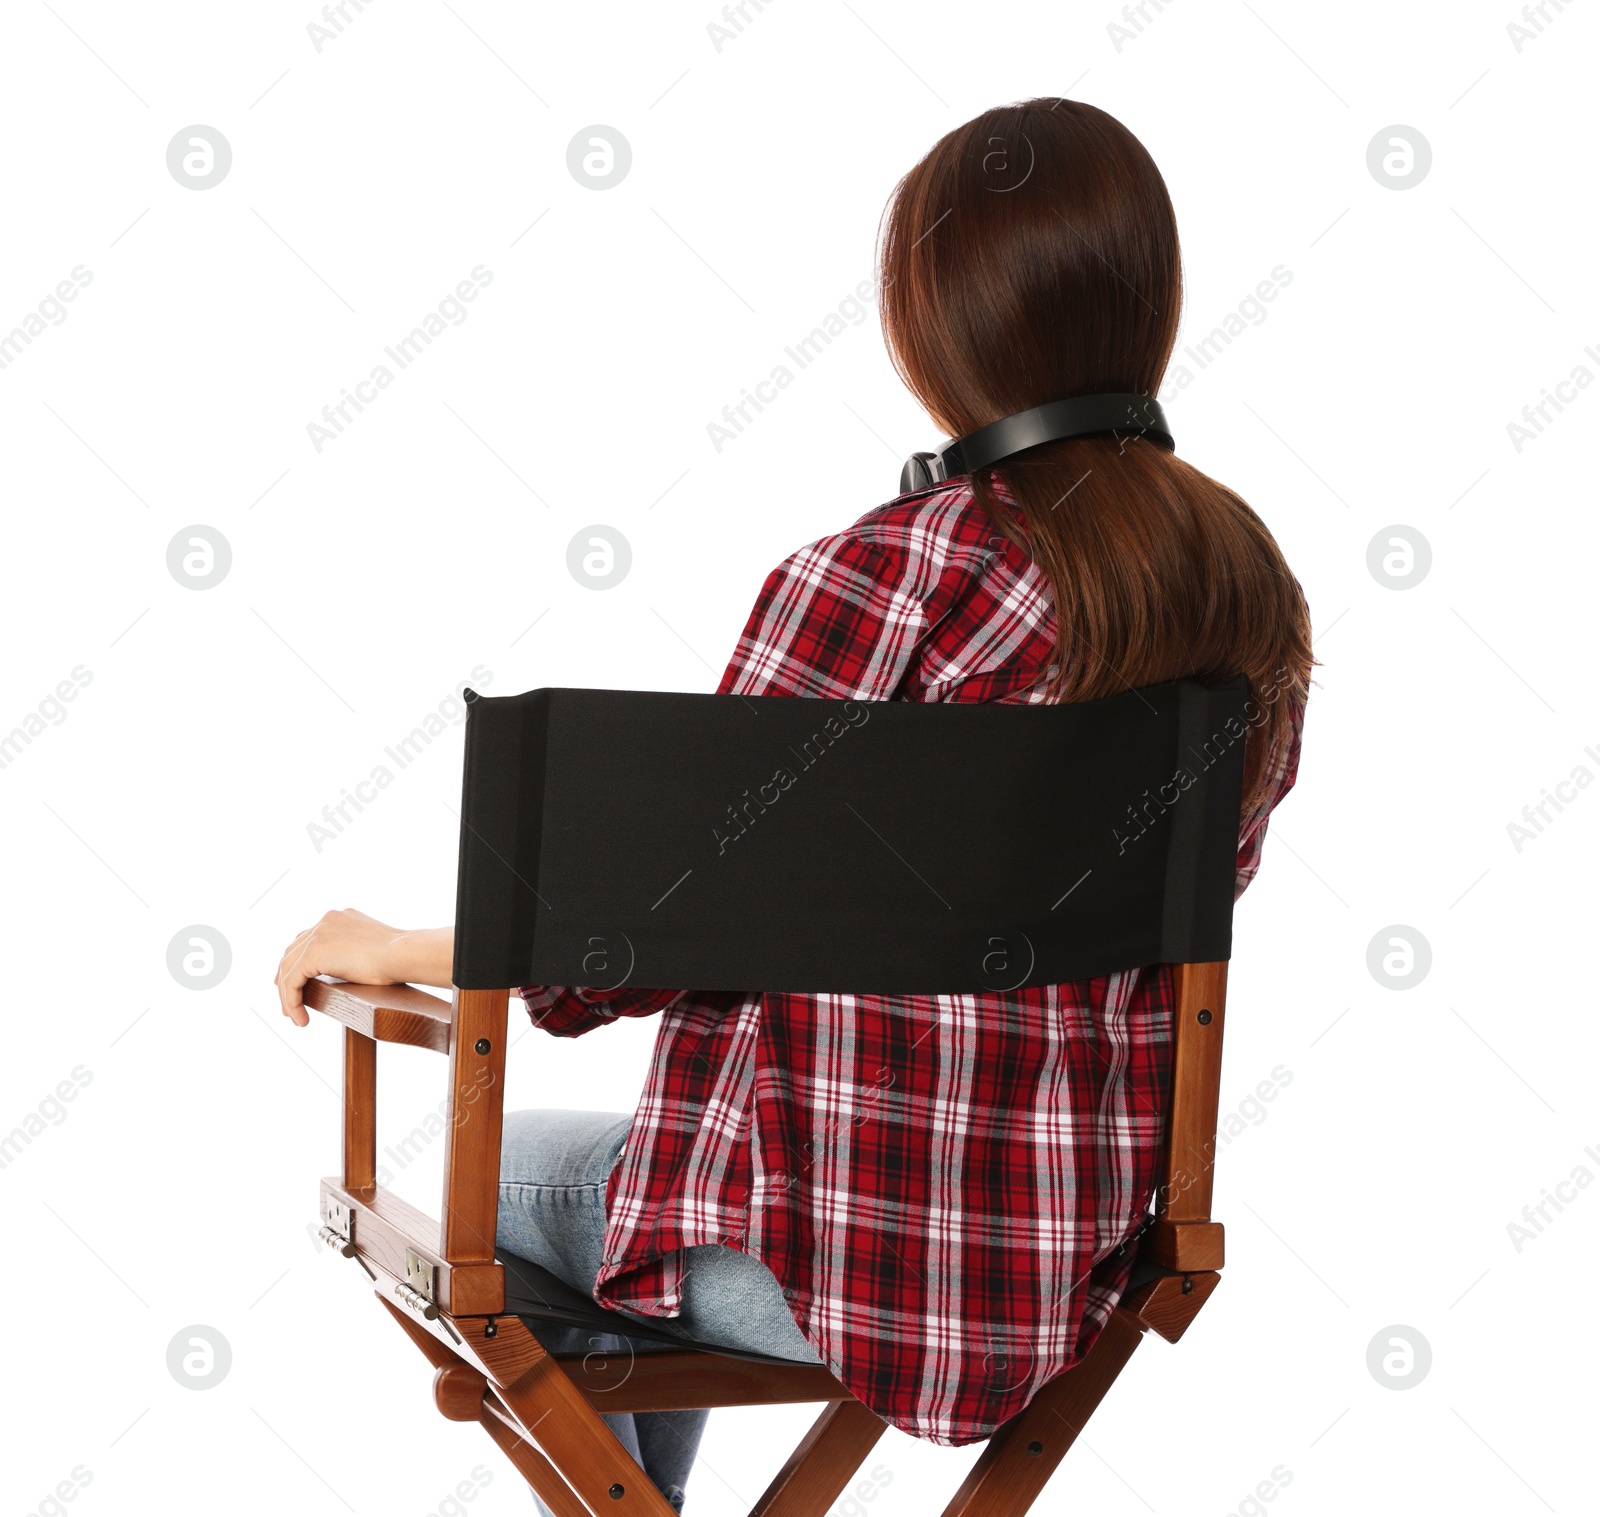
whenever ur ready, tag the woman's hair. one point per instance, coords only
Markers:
(1032, 256)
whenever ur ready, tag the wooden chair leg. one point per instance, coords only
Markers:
(552, 1410)
(531, 1464)
(821, 1466)
(360, 1110)
(546, 1426)
(551, 1430)
(1023, 1454)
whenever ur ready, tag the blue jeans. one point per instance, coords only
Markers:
(553, 1171)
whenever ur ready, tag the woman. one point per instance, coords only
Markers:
(932, 1194)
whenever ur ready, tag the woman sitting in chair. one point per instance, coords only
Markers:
(934, 1195)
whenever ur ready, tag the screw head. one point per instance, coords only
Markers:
(1204, 1018)
(615, 1493)
(482, 1045)
(1036, 1448)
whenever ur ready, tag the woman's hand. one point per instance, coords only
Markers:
(350, 945)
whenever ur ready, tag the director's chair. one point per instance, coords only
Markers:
(617, 839)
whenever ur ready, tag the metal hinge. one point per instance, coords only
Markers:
(336, 1230)
(417, 1292)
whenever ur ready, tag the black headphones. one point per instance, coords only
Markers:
(1131, 415)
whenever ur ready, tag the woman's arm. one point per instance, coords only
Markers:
(353, 946)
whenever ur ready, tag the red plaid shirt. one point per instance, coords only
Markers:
(944, 1185)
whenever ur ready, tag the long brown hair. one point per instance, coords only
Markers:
(1032, 256)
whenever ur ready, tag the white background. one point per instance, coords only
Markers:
(370, 578)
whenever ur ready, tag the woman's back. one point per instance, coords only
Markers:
(943, 1185)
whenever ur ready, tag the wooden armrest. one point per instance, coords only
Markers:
(389, 1013)
(1183, 1246)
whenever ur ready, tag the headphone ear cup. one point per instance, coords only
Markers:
(917, 474)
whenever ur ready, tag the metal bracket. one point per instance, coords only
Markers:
(336, 1230)
(417, 1292)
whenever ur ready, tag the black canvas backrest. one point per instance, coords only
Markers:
(723, 842)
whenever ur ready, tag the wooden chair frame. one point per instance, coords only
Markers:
(442, 1284)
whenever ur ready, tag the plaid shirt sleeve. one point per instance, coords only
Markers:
(833, 620)
(1283, 766)
(838, 620)
(569, 1011)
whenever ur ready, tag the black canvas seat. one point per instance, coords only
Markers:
(544, 1300)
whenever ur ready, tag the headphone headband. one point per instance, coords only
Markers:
(1083, 415)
